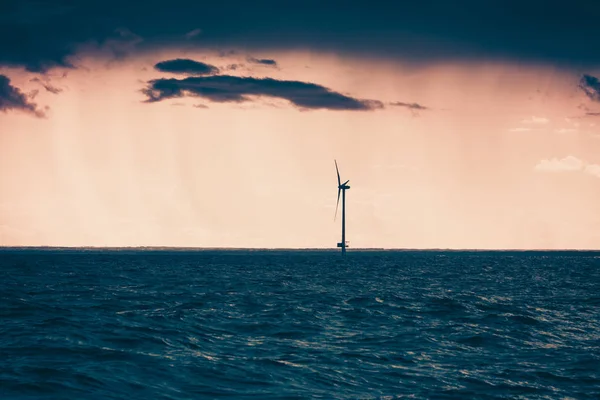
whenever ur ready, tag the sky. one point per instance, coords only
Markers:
(464, 125)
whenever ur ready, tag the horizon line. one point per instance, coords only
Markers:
(357, 249)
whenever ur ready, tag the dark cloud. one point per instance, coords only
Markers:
(234, 67)
(47, 86)
(590, 86)
(263, 61)
(186, 66)
(593, 114)
(412, 106)
(39, 34)
(226, 88)
(52, 89)
(11, 98)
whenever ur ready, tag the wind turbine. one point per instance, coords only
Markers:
(341, 188)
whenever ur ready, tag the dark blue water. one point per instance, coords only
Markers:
(299, 324)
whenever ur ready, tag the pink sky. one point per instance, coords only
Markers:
(503, 158)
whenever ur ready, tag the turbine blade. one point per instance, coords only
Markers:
(337, 204)
(346, 182)
(338, 173)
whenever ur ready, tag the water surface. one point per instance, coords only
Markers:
(109, 324)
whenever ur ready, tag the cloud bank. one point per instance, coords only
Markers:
(39, 35)
(11, 98)
(186, 66)
(226, 88)
(263, 61)
(567, 164)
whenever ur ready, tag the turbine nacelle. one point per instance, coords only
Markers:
(344, 185)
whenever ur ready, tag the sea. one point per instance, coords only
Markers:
(298, 324)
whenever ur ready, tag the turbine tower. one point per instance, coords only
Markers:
(341, 188)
